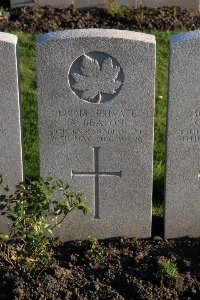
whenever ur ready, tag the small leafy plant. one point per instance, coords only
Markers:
(4, 14)
(93, 250)
(35, 209)
(168, 270)
(139, 17)
(117, 10)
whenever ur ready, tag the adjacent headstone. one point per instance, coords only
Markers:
(96, 106)
(88, 3)
(182, 203)
(194, 4)
(54, 3)
(84, 4)
(11, 166)
(102, 3)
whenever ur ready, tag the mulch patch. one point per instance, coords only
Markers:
(48, 19)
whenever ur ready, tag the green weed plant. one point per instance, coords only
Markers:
(139, 17)
(35, 209)
(168, 270)
(117, 10)
(93, 249)
(4, 14)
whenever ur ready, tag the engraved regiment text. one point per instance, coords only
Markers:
(100, 125)
(192, 134)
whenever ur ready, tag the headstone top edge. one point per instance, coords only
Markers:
(8, 38)
(186, 36)
(104, 33)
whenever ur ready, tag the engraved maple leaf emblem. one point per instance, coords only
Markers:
(96, 79)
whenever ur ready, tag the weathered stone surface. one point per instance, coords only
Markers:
(66, 3)
(182, 203)
(103, 3)
(89, 3)
(96, 105)
(55, 3)
(195, 4)
(11, 166)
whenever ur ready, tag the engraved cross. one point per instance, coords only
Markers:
(96, 175)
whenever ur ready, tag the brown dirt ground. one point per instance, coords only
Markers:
(126, 271)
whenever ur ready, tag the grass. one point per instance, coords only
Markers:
(162, 40)
(29, 106)
(168, 270)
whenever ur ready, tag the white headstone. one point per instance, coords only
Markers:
(96, 106)
(11, 164)
(194, 4)
(54, 3)
(182, 203)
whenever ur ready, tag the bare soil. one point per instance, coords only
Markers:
(127, 271)
(47, 19)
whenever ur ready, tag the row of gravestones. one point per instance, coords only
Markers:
(96, 108)
(195, 4)
(77, 3)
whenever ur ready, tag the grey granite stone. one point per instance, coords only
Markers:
(61, 4)
(182, 200)
(11, 166)
(66, 3)
(96, 106)
(89, 3)
(102, 3)
(195, 4)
